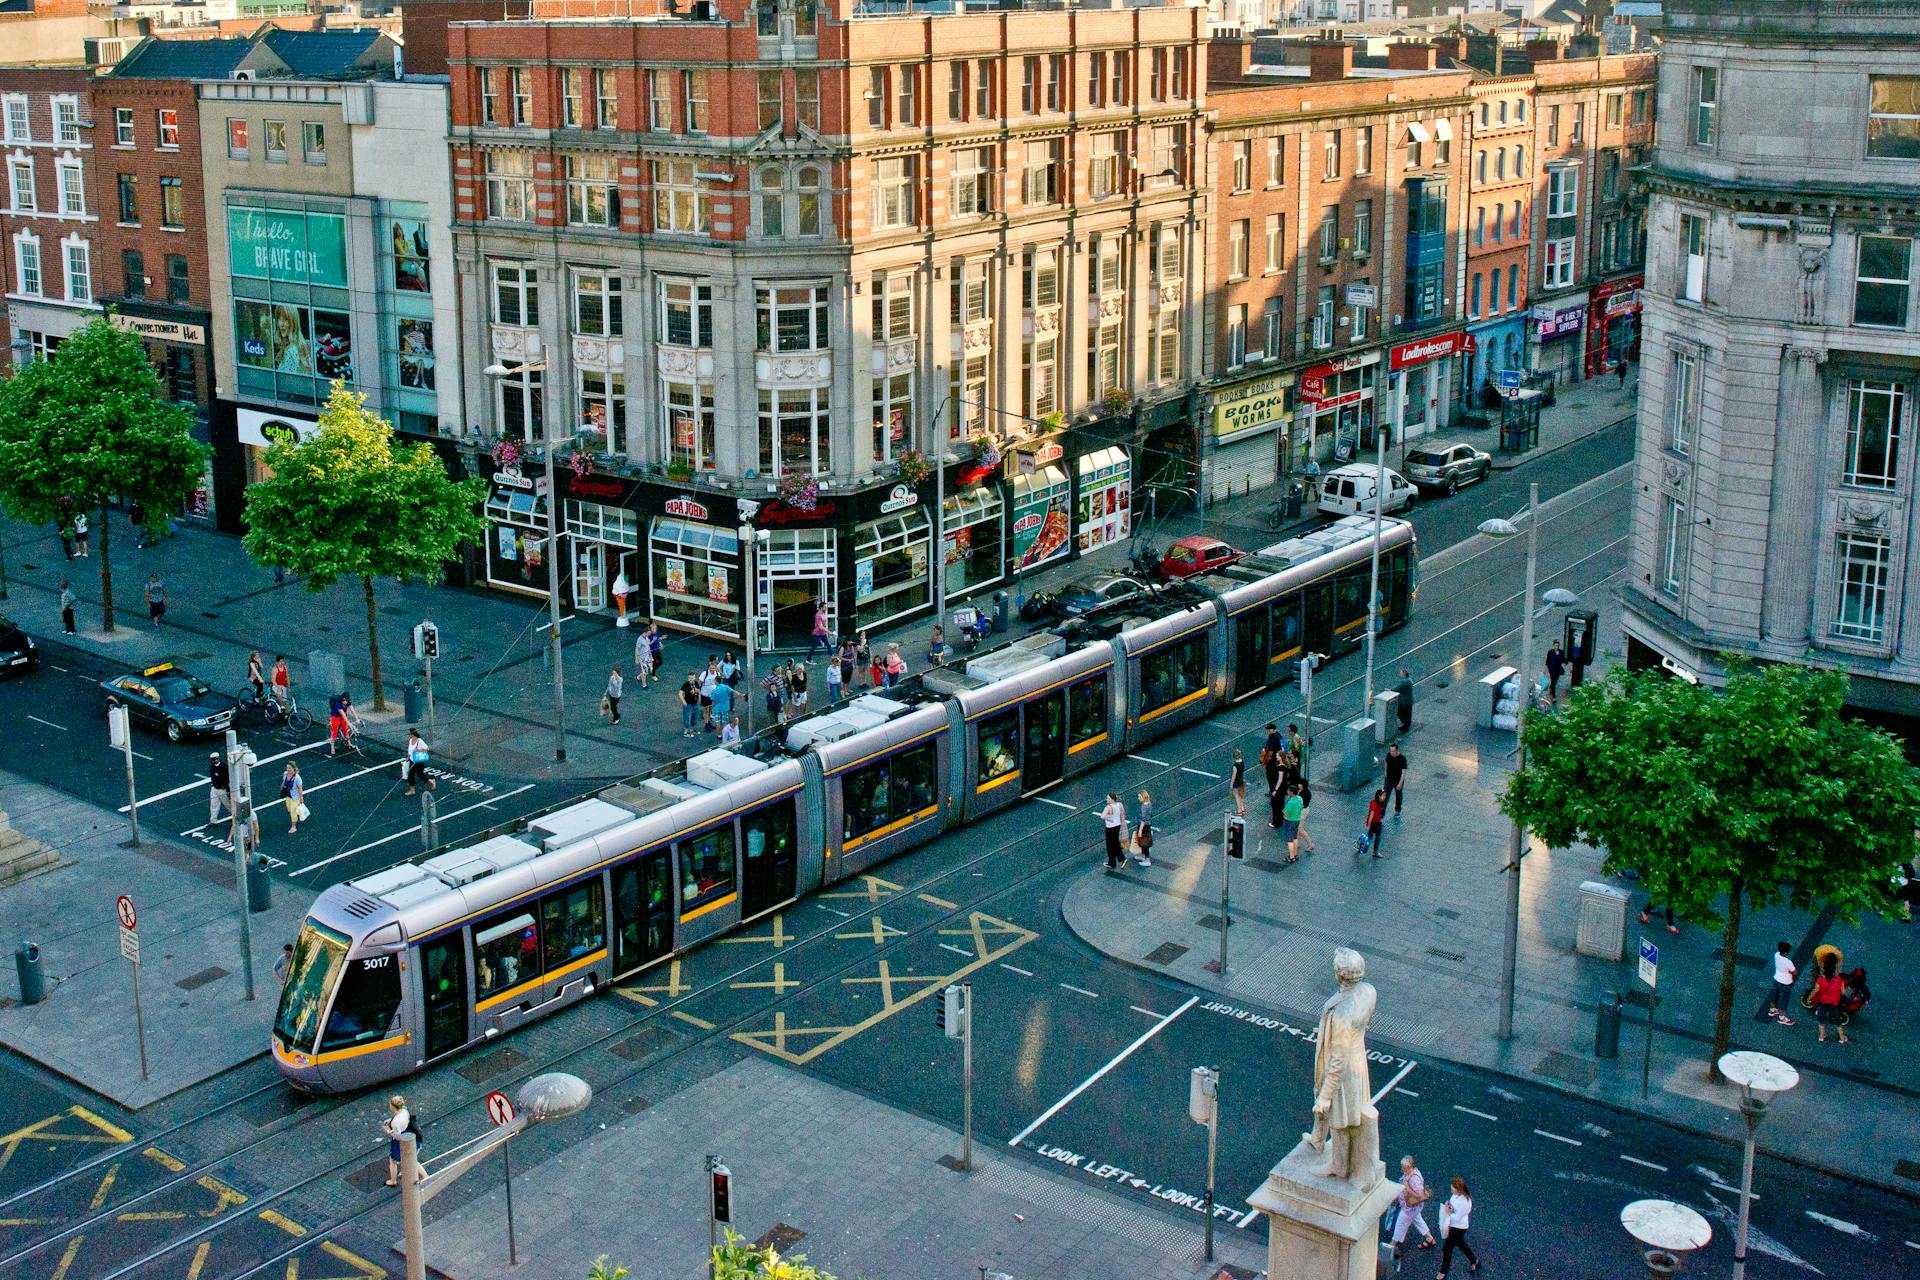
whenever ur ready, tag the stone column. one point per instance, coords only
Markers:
(1321, 1228)
(1794, 519)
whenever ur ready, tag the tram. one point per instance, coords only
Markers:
(398, 969)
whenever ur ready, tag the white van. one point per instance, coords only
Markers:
(1348, 490)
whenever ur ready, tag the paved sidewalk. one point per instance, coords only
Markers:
(198, 1020)
(1579, 409)
(860, 1179)
(1429, 917)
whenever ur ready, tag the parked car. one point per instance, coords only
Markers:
(1447, 466)
(1196, 553)
(170, 699)
(17, 654)
(1348, 491)
(1098, 592)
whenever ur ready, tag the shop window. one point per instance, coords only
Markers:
(506, 952)
(706, 867)
(177, 376)
(598, 522)
(573, 923)
(1170, 674)
(890, 566)
(364, 1009)
(600, 401)
(688, 412)
(795, 433)
(1087, 709)
(896, 789)
(999, 745)
(695, 575)
(973, 529)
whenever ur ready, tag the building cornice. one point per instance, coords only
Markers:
(1817, 199)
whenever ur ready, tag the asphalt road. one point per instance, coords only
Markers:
(1082, 1062)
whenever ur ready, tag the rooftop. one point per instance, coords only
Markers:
(270, 53)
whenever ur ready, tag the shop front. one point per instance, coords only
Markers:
(260, 429)
(176, 341)
(1248, 426)
(892, 560)
(1613, 323)
(973, 536)
(1426, 375)
(1041, 501)
(516, 515)
(1556, 338)
(796, 567)
(1336, 408)
(1104, 506)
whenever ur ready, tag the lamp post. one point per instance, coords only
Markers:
(1373, 577)
(1516, 843)
(1760, 1076)
(1664, 1230)
(749, 602)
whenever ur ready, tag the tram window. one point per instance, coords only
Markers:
(706, 866)
(913, 780)
(1087, 709)
(572, 923)
(1350, 597)
(318, 954)
(1286, 624)
(769, 831)
(369, 994)
(506, 951)
(1173, 672)
(888, 790)
(999, 745)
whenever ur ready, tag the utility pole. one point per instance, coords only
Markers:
(1203, 1107)
(1373, 579)
(553, 610)
(1233, 844)
(120, 734)
(1308, 665)
(954, 1016)
(240, 762)
(749, 606)
(1516, 844)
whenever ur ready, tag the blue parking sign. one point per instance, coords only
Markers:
(1649, 962)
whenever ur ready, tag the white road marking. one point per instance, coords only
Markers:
(1147, 760)
(1470, 1111)
(1572, 1142)
(1202, 772)
(1025, 973)
(1408, 1093)
(1845, 1227)
(959, 951)
(398, 835)
(61, 670)
(180, 791)
(1387, 1088)
(62, 728)
(1247, 1221)
(1082, 990)
(1058, 804)
(1911, 1245)
(1115, 1061)
(844, 915)
(143, 755)
(1645, 1164)
(1151, 1013)
(349, 777)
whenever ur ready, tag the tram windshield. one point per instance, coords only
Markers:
(318, 955)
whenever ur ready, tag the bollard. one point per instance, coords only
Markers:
(33, 982)
(1606, 1027)
(259, 885)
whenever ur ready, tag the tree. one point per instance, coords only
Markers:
(89, 425)
(347, 503)
(1724, 799)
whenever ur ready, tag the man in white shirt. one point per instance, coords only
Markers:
(1114, 819)
(1784, 973)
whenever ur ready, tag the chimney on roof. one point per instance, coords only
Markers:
(1584, 45)
(1228, 57)
(1411, 55)
(1452, 47)
(1542, 51)
(1329, 60)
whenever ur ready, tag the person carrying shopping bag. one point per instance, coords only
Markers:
(1456, 1214)
(293, 791)
(1113, 819)
(417, 755)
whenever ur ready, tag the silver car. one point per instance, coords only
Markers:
(1447, 466)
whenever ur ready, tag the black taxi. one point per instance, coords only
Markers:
(171, 699)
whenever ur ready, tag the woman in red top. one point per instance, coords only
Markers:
(1828, 990)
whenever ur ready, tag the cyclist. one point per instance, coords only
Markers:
(281, 680)
(256, 676)
(342, 722)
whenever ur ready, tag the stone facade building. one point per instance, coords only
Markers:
(1775, 480)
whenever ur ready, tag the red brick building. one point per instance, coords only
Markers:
(1499, 226)
(51, 215)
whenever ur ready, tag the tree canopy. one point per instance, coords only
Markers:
(89, 425)
(348, 503)
(1722, 799)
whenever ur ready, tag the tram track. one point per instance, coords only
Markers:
(962, 872)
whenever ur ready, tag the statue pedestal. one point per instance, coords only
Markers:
(1322, 1228)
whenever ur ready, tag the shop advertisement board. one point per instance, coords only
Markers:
(1040, 520)
(288, 246)
(1257, 402)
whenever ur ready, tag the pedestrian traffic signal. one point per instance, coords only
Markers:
(722, 1179)
(1236, 837)
(426, 640)
(950, 1012)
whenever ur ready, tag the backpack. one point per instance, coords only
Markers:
(413, 1127)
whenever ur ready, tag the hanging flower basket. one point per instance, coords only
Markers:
(582, 463)
(914, 466)
(986, 450)
(506, 455)
(1117, 401)
(801, 492)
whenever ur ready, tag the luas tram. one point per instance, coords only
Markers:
(403, 967)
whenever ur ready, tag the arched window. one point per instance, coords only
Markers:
(769, 196)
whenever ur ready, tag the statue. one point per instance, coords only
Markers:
(1345, 1123)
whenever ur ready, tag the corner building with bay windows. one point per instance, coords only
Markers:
(785, 258)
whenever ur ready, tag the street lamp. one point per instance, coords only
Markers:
(1665, 1230)
(1509, 959)
(553, 555)
(554, 1096)
(1760, 1076)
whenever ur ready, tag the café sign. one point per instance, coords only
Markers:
(900, 498)
(685, 508)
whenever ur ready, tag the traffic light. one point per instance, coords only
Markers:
(426, 640)
(1236, 837)
(950, 1012)
(722, 1179)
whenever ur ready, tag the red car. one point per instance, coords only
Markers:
(1195, 553)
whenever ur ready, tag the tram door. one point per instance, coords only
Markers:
(1320, 617)
(1045, 753)
(1252, 637)
(772, 856)
(642, 912)
(444, 979)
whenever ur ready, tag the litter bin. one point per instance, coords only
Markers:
(259, 884)
(416, 699)
(1296, 495)
(1606, 1027)
(33, 982)
(1603, 921)
(1000, 612)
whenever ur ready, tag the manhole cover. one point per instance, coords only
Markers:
(487, 1066)
(1165, 953)
(644, 1044)
(194, 981)
(1567, 1069)
(1455, 956)
(1209, 921)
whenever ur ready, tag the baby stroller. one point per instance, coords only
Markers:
(1854, 994)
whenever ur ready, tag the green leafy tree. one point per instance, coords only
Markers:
(736, 1259)
(347, 503)
(605, 1270)
(87, 426)
(1722, 800)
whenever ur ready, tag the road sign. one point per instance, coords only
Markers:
(1509, 378)
(130, 945)
(123, 907)
(1649, 963)
(499, 1107)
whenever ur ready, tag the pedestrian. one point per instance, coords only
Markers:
(1652, 910)
(1376, 819)
(1296, 745)
(337, 726)
(137, 517)
(1403, 699)
(417, 757)
(219, 783)
(1313, 478)
(847, 660)
(1237, 783)
(1143, 832)
(729, 670)
(730, 731)
(865, 662)
(293, 791)
(1829, 988)
(282, 680)
(156, 599)
(1413, 1194)
(708, 680)
(67, 600)
(774, 688)
(1277, 802)
(722, 704)
(642, 660)
(1306, 805)
(398, 1121)
(1556, 667)
(1396, 763)
(1620, 371)
(1784, 975)
(797, 690)
(1455, 1216)
(937, 646)
(833, 681)
(896, 665)
(689, 704)
(820, 637)
(283, 967)
(610, 702)
(1291, 811)
(655, 643)
(1270, 756)
(1114, 819)
(81, 534)
(65, 531)
(877, 669)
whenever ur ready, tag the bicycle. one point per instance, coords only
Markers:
(293, 715)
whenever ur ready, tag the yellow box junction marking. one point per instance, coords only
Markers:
(701, 1023)
(991, 939)
(877, 931)
(872, 890)
(777, 934)
(92, 1129)
(674, 986)
(199, 1260)
(778, 985)
(66, 1259)
(224, 1198)
(939, 902)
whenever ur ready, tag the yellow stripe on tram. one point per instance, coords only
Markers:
(591, 957)
(1175, 705)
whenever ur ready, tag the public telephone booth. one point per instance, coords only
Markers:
(1520, 419)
